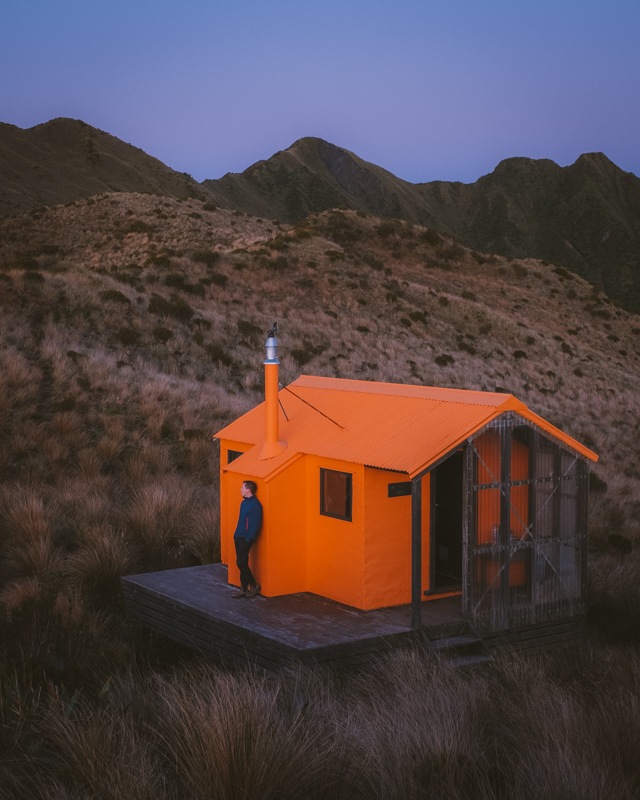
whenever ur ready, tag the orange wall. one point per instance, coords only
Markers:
(335, 547)
(387, 541)
(285, 531)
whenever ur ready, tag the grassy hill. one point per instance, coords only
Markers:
(132, 328)
(65, 159)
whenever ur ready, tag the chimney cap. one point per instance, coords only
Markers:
(272, 346)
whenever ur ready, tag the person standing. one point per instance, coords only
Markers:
(247, 529)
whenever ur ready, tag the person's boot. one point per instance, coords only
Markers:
(253, 590)
(238, 595)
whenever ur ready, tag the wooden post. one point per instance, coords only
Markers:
(534, 445)
(432, 529)
(468, 526)
(505, 518)
(582, 518)
(416, 552)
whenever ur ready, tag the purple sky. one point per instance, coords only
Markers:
(428, 89)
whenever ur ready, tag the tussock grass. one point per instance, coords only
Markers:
(560, 726)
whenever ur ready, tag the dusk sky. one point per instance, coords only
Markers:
(427, 89)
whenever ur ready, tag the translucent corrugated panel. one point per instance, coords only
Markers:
(526, 527)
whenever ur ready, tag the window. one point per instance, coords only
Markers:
(233, 454)
(335, 494)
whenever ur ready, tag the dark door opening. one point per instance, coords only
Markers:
(446, 551)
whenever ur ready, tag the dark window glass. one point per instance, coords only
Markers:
(335, 494)
(233, 454)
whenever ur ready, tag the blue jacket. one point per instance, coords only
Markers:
(249, 520)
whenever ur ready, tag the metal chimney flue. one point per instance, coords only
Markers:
(272, 445)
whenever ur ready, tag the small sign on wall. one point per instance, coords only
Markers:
(399, 489)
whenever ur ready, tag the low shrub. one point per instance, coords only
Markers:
(218, 355)
(247, 328)
(218, 279)
(138, 226)
(385, 229)
(466, 347)
(114, 296)
(178, 282)
(205, 256)
(175, 307)
(453, 252)
(278, 264)
(161, 261)
(128, 336)
(162, 334)
(431, 237)
(520, 271)
(302, 357)
(30, 276)
(444, 359)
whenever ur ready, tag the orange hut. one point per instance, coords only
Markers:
(381, 494)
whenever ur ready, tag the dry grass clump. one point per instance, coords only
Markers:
(409, 725)
(239, 736)
(102, 558)
(158, 517)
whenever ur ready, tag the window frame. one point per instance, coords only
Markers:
(349, 502)
(233, 454)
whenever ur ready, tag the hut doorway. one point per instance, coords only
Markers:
(447, 542)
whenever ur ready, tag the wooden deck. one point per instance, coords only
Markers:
(194, 606)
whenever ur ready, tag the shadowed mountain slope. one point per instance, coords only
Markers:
(66, 159)
(585, 217)
(313, 175)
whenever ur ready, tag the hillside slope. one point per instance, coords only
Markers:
(66, 159)
(132, 327)
(585, 217)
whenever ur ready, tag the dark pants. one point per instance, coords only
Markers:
(242, 560)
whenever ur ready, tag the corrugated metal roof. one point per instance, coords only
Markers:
(391, 426)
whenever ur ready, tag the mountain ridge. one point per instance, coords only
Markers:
(584, 217)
